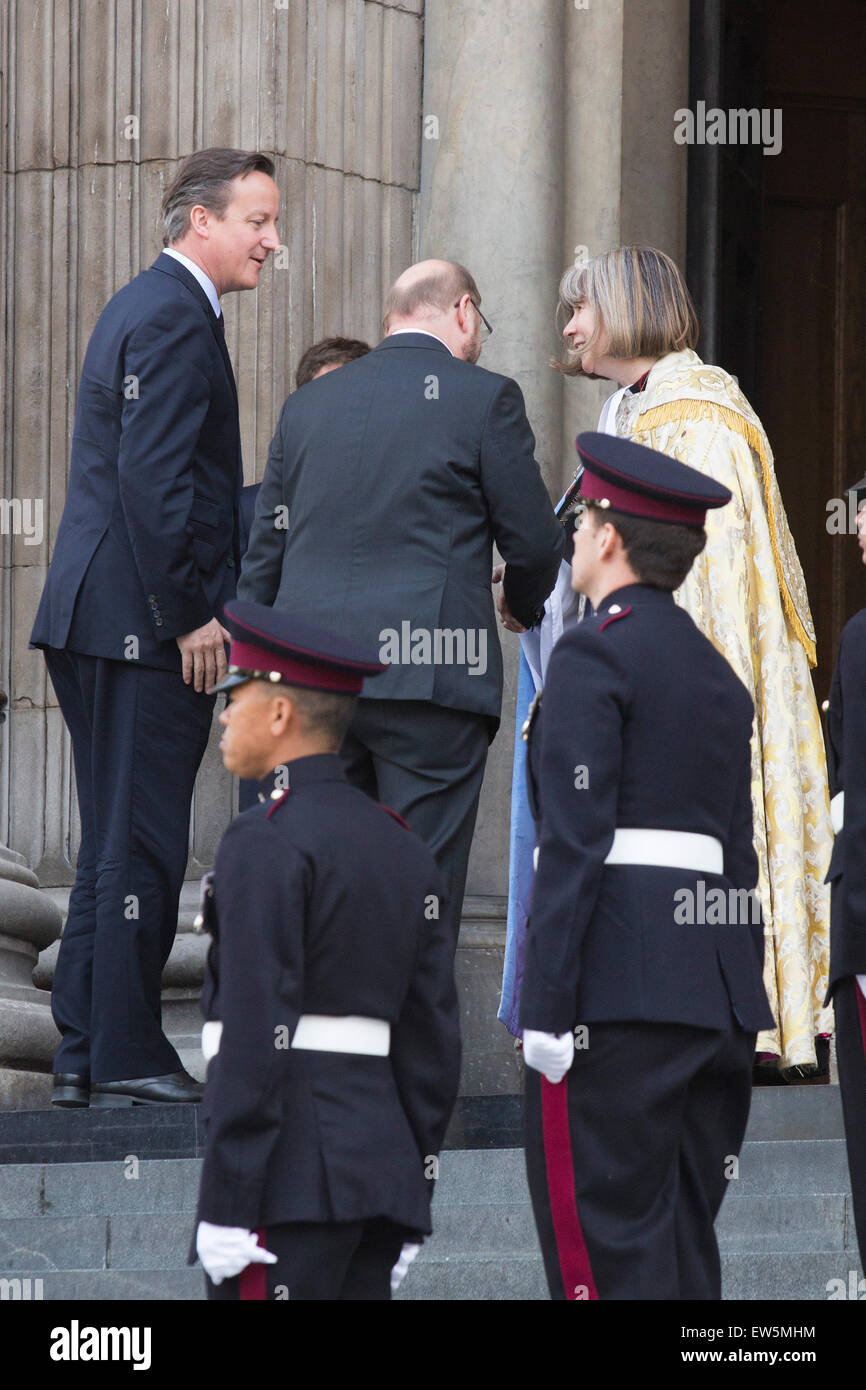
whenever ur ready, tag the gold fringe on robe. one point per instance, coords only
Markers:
(746, 592)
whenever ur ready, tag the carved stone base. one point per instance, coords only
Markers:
(29, 922)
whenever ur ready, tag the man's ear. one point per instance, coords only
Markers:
(609, 538)
(283, 713)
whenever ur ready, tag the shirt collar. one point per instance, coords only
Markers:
(397, 332)
(204, 280)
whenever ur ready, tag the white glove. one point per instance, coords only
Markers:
(227, 1250)
(398, 1273)
(550, 1053)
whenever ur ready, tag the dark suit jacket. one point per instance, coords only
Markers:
(147, 545)
(397, 473)
(641, 700)
(246, 515)
(325, 903)
(846, 760)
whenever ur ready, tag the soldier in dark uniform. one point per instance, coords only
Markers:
(642, 992)
(332, 1024)
(846, 760)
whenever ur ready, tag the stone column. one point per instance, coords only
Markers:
(624, 178)
(547, 135)
(491, 159)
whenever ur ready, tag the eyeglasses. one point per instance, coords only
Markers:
(486, 328)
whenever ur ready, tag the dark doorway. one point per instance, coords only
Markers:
(777, 260)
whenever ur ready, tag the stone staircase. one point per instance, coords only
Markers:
(118, 1227)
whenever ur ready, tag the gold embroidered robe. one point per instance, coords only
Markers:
(746, 592)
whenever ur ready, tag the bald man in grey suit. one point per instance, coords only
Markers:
(387, 484)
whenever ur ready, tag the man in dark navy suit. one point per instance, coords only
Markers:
(642, 992)
(145, 557)
(846, 758)
(396, 475)
(332, 1031)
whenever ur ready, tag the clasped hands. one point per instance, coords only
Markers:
(505, 615)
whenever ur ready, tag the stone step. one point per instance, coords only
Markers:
(795, 1112)
(791, 1167)
(85, 1189)
(787, 1276)
(768, 1168)
(473, 1278)
(160, 1240)
(115, 1285)
(782, 1277)
(810, 1223)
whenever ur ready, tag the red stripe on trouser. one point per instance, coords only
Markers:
(570, 1245)
(252, 1281)
(861, 1010)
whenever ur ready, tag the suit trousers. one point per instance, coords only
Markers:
(849, 1007)
(629, 1156)
(349, 1260)
(138, 737)
(426, 762)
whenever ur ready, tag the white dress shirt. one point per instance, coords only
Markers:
(204, 280)
(398, 331)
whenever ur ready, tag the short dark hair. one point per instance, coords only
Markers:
(330, 352)
(203, 179)
(323, 713)
(661, 553)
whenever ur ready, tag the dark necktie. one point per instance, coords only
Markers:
(221, 323)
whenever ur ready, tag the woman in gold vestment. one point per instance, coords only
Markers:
(633, 322)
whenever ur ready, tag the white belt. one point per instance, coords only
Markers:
(837, 812)
(667, 849)
(370, 1037)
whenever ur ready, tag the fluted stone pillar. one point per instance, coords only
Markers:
(492, 143)
(547, 136)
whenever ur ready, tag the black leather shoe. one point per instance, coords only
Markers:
(179, 1086)
(71, 1090)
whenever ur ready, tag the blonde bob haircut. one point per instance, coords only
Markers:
(640, 300)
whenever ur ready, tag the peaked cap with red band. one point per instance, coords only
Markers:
(268, 645)
(642, 482)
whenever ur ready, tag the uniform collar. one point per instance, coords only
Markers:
(316, 767)
(634, 595)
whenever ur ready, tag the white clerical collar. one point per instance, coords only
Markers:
(398, 331)
(204, 280)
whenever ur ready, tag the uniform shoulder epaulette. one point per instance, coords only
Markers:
(614, 616)
(277, 799)
(396, 816)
